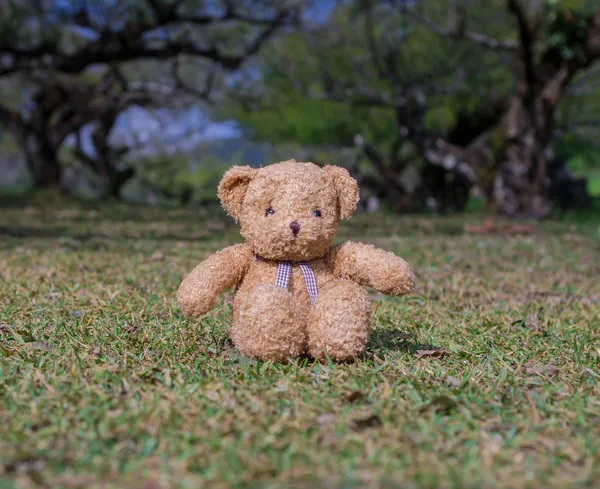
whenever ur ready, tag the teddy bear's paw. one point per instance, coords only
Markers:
(266, 326)
(338, 325)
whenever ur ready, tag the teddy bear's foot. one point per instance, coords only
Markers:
(339, 322)
(266, 326)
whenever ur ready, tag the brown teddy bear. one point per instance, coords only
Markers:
(295, 292)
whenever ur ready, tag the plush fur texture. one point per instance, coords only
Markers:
(290, 211)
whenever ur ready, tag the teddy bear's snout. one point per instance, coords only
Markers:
(295, 227)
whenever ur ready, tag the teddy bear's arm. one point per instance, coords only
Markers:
(199, 291)
(372, 267)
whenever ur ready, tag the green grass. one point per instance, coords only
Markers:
(104, 384)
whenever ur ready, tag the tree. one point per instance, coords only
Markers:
(73, 59)
(496, 94)
(552, 45)
(363, 95)
(61, 107)
(109, 161)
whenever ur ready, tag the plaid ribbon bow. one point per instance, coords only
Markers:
(284, 272)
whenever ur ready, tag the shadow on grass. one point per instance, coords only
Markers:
(385, 340)
(380, 343)
(64, 232)
(84, 225)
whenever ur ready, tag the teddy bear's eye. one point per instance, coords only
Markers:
(317, 213)
(269, 211)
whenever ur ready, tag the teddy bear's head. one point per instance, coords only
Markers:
(289, 210)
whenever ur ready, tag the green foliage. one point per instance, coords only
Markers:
(205, 177)
(12, 16)
(566, 24)
(441, 118)
(310, 91)
(164, 172)
(177, 177)
(316, 122)
(578, 152)
(578, 118)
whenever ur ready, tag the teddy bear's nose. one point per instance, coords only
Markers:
(295, 227)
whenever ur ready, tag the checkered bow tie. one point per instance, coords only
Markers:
(284, 272)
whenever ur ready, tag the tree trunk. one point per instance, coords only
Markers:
(47, 172)
(41, 154)
(520, 186)
(42, 159)
(509, 160)
(117, 180)
(520, 146)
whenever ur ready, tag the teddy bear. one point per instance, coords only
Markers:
(296, 293)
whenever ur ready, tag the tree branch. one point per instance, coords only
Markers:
(459, 9)
(527, 38)
(592, 38)
(180, 84)
(459, 32)
(372, 42)
(130, 42)
(168, 15)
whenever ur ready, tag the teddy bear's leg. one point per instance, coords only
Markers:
(265, 324)
(339, 322)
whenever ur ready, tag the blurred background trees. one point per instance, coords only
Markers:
(458, 93)
(427, 103)
(79, 64)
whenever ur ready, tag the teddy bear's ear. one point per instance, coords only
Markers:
(232, 189)
(346, 188)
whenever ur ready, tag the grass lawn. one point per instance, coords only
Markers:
(487, 376)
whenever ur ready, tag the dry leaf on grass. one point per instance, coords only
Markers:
(25, 466)
(39, 345)
(490, 227)
(355, 396)
(67, 214)
(531, 322)
(453, 381)
(542, 370)
(371, 421)
(158, 255)
(431, 353)
(441, 404)
(324, 419)
(501, 427)
(131, 328)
